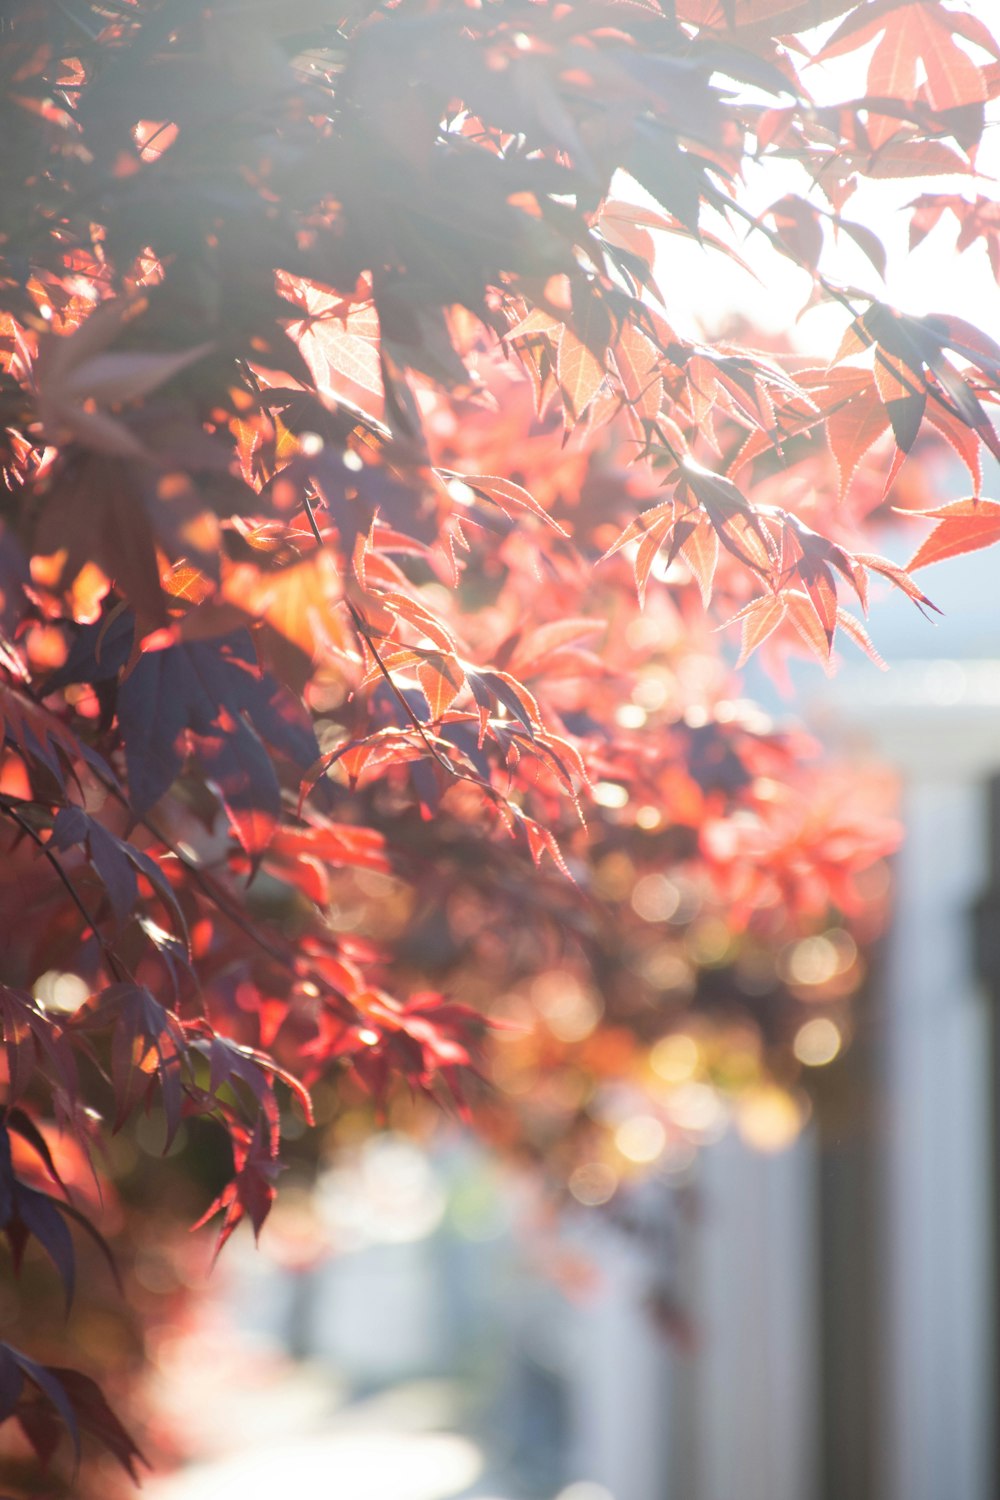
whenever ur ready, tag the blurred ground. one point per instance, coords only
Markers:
(293, 1434)
(259, 1425)
(407, 1389)
(262, 1427)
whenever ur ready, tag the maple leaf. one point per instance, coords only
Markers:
(338, 336)
(69, 1401)
(252, 1190)
(731, 519)
(76, 377)
(231, 1063)
(853, 429)
(734, 519)
(93, 1418)
(303, 857)
(911, 36)
(95, 532)
(15, 1368)
(148, 1049)
(42, 739)
(441, 678)
(491, 688)
(798, 228)
(810, 559)
(109, 520)
(33, 1041)
(963, 526)
(580, 369)
(911, 368)
(637, 363)
(211, 696)
(553, 648)
(977, 220)
(25, 1211)
(117, 862)
(774, 16)
(299, 602)
(505, 494)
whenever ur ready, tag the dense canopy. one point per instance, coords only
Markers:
(369, 512)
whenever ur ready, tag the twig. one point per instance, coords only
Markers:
(111, 958)
(364, 629)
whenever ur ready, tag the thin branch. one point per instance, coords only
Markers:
(117, 968)
(364, 630)
(11, 804)
(211, 890)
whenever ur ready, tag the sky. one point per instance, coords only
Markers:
(704, 288)
(930, 279)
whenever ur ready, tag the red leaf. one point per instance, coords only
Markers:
(803, 615)
(34, 1041)
(147, 1049)
(904, 396)
(798, 228)
(252, 1190)
(95, 1417)
(580, 373)
(536, 649)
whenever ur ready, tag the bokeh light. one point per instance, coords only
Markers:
(817, 1042)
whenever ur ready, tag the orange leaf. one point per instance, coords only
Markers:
(535, 650)
(962, 438)
(639, 527)
(442, 679)
(637, 363)
(807, 622)
(701, 553)
(899, 576)
(760, 618)
(852, 430)
(300, 602)
(853, 627)
(904, 396)
(505, 493)
(953, 79)
(541, 841)
(739, 527)
(964, 526)
(580, 373)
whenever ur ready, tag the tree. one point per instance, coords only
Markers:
(346, 432)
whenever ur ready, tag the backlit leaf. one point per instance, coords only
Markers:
(963, 526)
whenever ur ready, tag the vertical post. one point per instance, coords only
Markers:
(986, 929)
(934, 1085)
(621, 1368)
(936, 1284)
(756, 1323)
(845, 1105)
